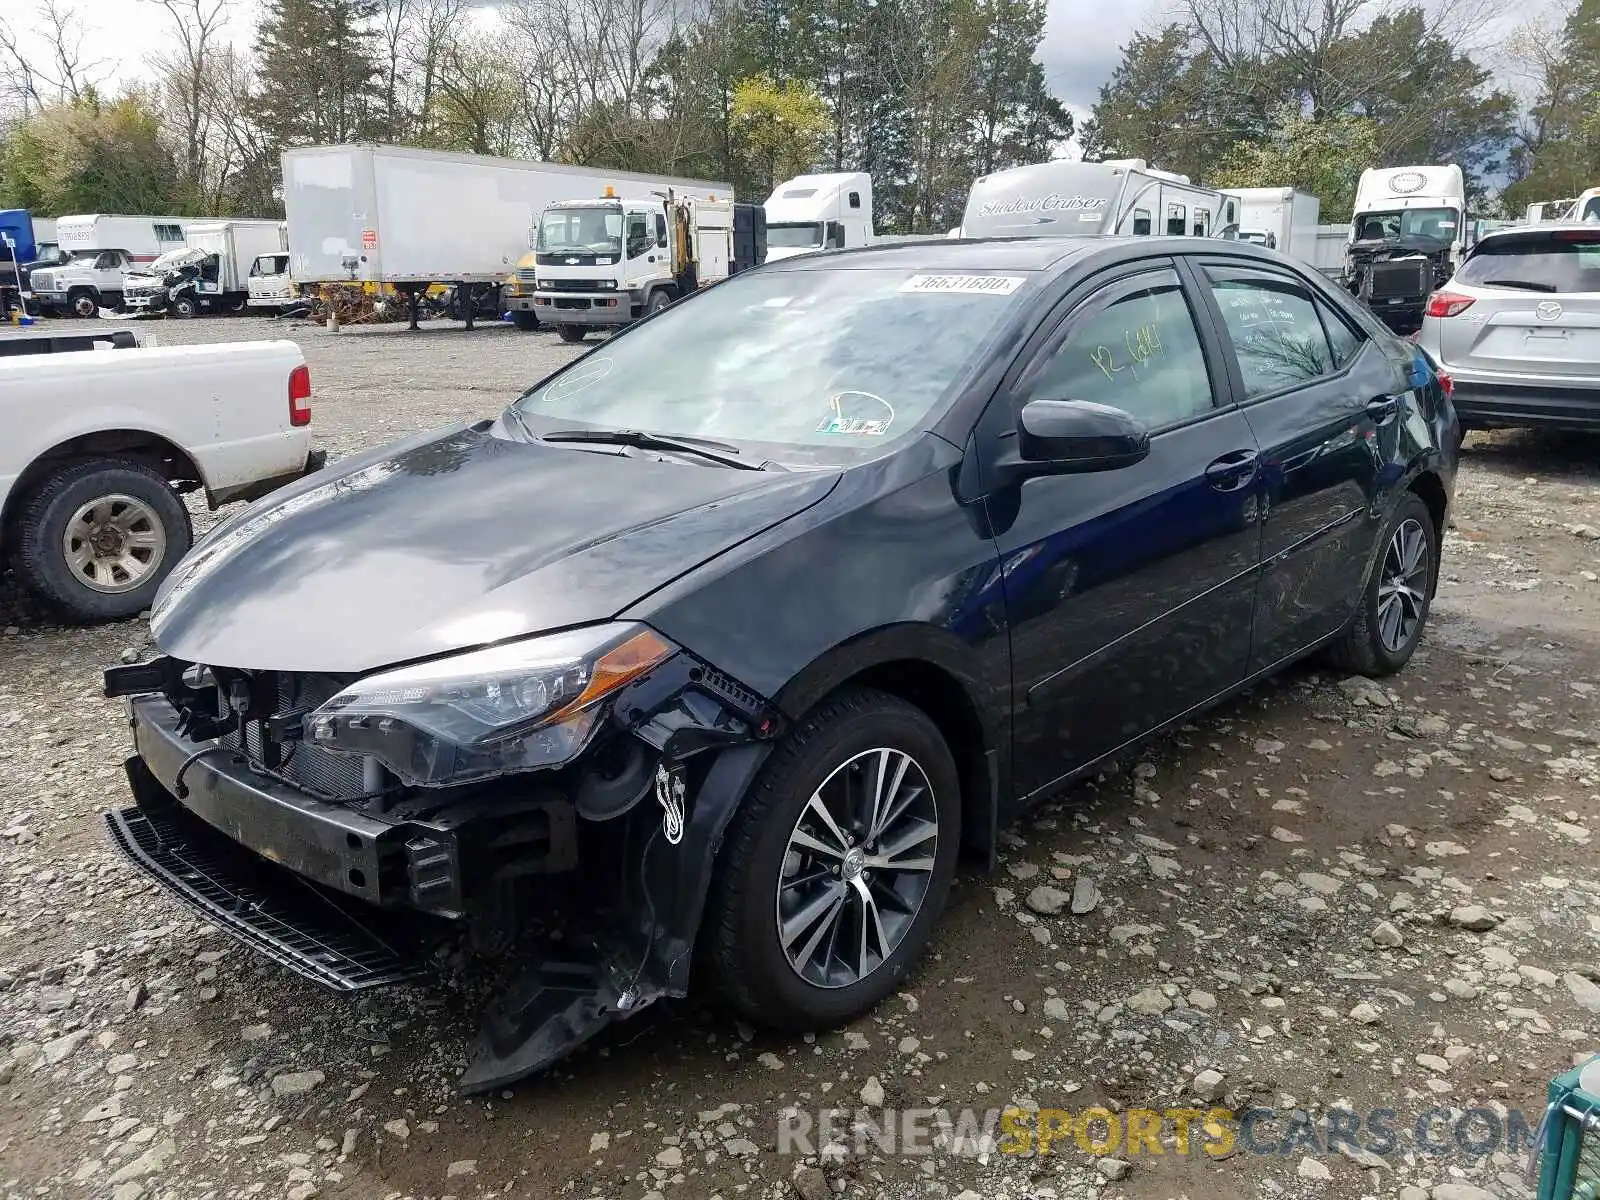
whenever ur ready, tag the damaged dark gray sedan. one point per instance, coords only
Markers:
(721, 644)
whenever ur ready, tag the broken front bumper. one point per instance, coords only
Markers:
(357, 896)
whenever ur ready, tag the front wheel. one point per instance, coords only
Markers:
(1394, 608)
(837, 865)
(571, 333)
(185, 308)
(525, 321)
(658, 301)
(98, 537)
(85, 303)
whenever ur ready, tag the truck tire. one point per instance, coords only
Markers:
(84, 302)
(185, 308)
(658, 301)
(96, 538)
(526, 321)
(571, 333)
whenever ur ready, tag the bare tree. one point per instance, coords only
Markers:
(198, 28)
(63, 29)
(19, 85)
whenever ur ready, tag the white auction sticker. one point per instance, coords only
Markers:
(970, 285)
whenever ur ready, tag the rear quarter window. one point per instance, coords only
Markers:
(1545, 264)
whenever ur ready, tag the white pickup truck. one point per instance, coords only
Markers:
(98, 444)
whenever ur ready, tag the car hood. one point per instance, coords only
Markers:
(452, 540)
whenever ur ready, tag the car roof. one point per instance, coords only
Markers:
(1538, 227)
(1014, 254)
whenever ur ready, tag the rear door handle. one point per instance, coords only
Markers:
(1232, 471)
(1383, 408)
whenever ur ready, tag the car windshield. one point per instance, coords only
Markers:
(594, 229)
(1559, 261)
(804, 234)
(1436, 224)
(814, 366)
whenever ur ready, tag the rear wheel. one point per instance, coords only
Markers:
(837, 865)
(525, 321)
(1394, 608)
(571, 333)
(97, 538)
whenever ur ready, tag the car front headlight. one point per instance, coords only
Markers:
(513, 707)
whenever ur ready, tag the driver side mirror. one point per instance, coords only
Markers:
(1067, 437)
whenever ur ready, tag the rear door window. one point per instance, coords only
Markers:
(1564, 261)
(1275, 329)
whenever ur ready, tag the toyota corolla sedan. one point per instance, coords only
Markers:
(706, 660)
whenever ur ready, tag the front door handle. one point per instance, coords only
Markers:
(1382, 409)
(1232, 471)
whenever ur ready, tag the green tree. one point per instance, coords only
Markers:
(1324, 157)
(317, 72)
(780, 129)
(90, 156)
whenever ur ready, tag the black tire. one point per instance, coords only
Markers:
(1362, 648)
(658, 301)
(84, 302)
(42, 563)
(571, 333)
(185, 308)
(739, 941)
(525, 321)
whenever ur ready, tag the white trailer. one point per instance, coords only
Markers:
(819, 212)
(1280, 218)
(410, 218)
(1119, 197)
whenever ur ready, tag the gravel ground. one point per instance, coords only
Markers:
(1327, 898)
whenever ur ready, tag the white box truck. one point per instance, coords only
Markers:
(210, 274)
(103, 247)
(370, 214)
(819, 212)
(1280, 218)
(272, 284)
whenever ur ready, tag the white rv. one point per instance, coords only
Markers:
(819, 212)
(1082, 199)
(102, 248)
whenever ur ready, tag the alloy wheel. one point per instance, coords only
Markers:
(1402, 587)
(113, 543)
(857, 868)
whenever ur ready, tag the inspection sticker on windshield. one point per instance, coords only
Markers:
(968, 285)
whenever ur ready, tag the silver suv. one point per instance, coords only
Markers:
(1518, 329)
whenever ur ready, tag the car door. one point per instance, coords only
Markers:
(1316, 391)
(1128, 592)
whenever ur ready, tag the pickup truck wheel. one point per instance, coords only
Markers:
(837, 865)
(525, 321)
(84, 302)
(185, 307)
(571, 333)
(98, 537)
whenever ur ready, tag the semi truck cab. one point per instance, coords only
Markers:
(819, 212)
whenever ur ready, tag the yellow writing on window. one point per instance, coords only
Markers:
(1140, 345)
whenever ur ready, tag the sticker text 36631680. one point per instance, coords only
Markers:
(965, 285)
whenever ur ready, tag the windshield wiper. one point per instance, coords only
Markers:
(1527, 285)
(639, 439)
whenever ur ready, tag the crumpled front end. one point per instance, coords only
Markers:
(577, 887)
